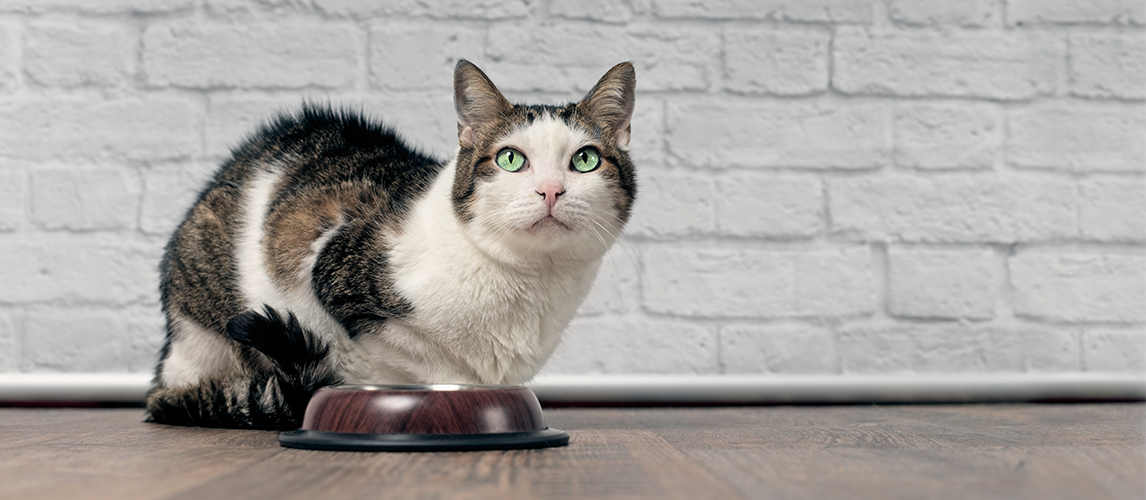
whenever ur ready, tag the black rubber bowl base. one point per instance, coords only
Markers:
(341, 441)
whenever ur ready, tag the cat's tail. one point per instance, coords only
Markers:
(269, 395)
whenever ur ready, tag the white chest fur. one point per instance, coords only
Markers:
(477, 318)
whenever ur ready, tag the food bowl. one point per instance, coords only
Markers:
(437, 417)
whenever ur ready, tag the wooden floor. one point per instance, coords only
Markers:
(937, 451)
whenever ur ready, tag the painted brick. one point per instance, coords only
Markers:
(1079, 287)
(424, 119)
(1077, 136)
(782, 62)
(942, 283)
(414, 56)
(969, 13)
(1108, 65)
(169, 191)
(13, 186)
(606, 11)
(74, 55)
(646, 143)
(955, 349)
(834, 11)
(757, 184)
(769, 206)
(617, 289)
(9, 349)
(886, 349)
(947, 136)
(82, 340)
(231, 119)
(82, 199)
(145, 331)
(959, 209)
(1114, 350)
(100, 7)
(674, 204)
(78, 268)
(773, 349)
(233, 8)
(605, 345)
(440, 9)
(753, 133)
(1113, 209)
(665, 57)
(525, 82)
(1021, 12)
(746, 283)
(155, 128)
(9, 55)
(263, 55)
(993, 349)
(965, 64)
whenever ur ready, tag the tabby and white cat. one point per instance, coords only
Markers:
(327, 251)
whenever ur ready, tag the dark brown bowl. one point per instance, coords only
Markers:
(423, 418)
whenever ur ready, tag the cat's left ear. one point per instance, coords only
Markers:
(610, 103)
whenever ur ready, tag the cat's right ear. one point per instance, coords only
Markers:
(477, 101)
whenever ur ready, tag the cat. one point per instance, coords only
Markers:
(327, 251)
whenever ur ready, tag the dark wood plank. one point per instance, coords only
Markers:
(597, 464)
(70, 471)
(1002, 472)
(939, 451)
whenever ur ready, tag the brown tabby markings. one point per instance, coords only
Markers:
(300, 219)
(203, 269)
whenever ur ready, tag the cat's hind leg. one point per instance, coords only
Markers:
(285, 364)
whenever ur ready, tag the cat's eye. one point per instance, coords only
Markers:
(586, 160)
(510, 160)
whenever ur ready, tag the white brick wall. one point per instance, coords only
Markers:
(827, 186)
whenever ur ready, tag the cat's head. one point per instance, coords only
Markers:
(538, 179)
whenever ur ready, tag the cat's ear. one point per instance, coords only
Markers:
(610, 103)
(476, 100)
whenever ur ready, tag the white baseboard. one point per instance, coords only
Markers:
(908, 388)
(74, 387)
(683, 389)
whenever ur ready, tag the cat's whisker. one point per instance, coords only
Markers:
(625, 246)
(616, 271)
(612, 262)
(615, 241)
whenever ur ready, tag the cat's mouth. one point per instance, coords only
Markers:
(548, 224)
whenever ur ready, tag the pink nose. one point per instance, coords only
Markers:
(550, 190)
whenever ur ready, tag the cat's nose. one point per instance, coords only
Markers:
(550, 190)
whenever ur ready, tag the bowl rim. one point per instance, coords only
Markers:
(422, 387)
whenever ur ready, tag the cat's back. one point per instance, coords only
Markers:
(297, 178)
(322, 146)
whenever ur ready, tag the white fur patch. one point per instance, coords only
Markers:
(255, 283)
(194, 354)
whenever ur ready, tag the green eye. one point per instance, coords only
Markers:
(511, 160)
(586, 160)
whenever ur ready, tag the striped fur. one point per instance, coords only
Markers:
(328, 251)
